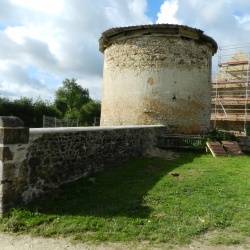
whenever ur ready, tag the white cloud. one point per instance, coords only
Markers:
(59, 37)
(46, 6)
(45, 41)
(138, 9)
(16, 34)
(168, 11)
(242, 19)
(215, 18)
(16, 75)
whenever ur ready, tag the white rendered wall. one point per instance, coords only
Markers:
(156, 79)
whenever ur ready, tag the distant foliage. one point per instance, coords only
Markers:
(70, 97)
(217, 135)
(71, 101)
(74, 102)
(89, 111)
(31, 112)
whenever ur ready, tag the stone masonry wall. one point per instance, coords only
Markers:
(51, 157)
(156, 79)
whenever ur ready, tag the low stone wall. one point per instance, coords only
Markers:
(36, 161)
(244, 142)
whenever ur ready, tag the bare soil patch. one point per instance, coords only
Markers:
(157, 152)
(27, 242)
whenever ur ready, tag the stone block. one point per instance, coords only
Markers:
(5, 154)
(1, 173)
(9, 172)
(10, 121)
(14, 135)
(1, 198)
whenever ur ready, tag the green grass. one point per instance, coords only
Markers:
(147, 199)
(225, 239)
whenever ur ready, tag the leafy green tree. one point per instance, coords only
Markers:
(72, 101)
(27, 110)
(23, 108)
(42, 108)
(70, 97)
(89, 111)
(5, 106)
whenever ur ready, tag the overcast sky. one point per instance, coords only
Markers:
(42, 42)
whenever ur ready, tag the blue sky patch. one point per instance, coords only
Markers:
(238, 13)
(153, 8)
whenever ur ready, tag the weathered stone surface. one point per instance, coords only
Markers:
(10, 121)
(9, 172)
(57, 156)
(5, 154)
(14, 135)
(11, 196)
(154, 76)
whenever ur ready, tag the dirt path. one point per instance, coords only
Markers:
(26, 242)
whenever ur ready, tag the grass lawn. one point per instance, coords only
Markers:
(147, 199)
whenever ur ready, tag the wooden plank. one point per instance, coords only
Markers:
(216, 149)
(232, 148)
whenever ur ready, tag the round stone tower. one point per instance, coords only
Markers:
(157, 74)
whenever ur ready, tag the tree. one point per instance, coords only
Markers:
(71, 97)
(23, 108)
(42, 108)
(5, 106)
(89, 111)
(27, 110)
(72, 101)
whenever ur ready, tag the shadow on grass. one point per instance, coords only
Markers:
(117, 191)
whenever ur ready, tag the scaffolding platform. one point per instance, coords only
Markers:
(230, 89)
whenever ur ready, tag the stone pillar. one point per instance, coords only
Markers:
(12, 136)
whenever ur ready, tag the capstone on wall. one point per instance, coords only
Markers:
(157, 74)
(48, 158)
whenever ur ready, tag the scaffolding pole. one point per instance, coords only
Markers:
(230, 95)
(246, 103)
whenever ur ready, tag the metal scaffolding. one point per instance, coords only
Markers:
(230, 89)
